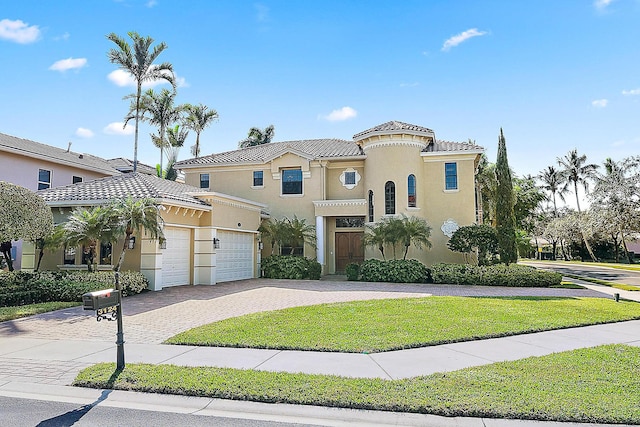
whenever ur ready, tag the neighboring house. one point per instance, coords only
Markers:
(126, 166)
(339, 186)
(39, 166)
(210, 237)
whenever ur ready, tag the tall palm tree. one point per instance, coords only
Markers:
(138, 61)
(552, 182)
(197, 119)
(175, 140)
(576, 170)
(89, 227)
(258, 136)
(157, 109)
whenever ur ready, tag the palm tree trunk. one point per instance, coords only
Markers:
(626, 250)
(135, 140)
(197, 153)
(584, 238)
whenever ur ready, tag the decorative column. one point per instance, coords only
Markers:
(204, 256)
(151, 262)
(320, 236)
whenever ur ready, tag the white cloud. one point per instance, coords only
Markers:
(84, 133)
(68, 64)
(602, 4)
(262, 12)
(64, 37)
(115, 128)
(152, 3)
(18, 31)
(600, 103)
(122, 78)
(344, 113)
(459, 38)
(631, 92)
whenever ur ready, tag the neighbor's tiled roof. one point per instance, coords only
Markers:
(37, 150)
(441, 146)
(135, 185)
(126, 165)
(313, 148)
(391, 127)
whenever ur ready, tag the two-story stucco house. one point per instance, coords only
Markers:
(39, 166)
(341, 185)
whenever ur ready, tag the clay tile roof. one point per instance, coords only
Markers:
(440, 146)
(311, 148)
(136, 185)
(393, 127)
(125, 165)
(37, 150)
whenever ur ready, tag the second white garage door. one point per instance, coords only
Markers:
(235, 256)
(176, 258)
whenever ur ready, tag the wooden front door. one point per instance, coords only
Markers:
(348, 249)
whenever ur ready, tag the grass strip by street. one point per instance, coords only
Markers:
(383, 325)
(616, 285)
(619, 266)
(11, 313)
(592, 385)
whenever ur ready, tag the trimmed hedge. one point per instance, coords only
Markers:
(19, 287)
(494, 275)
(395, 271)
(290, 267)
(352, 271)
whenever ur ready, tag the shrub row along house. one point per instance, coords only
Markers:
(338, 186)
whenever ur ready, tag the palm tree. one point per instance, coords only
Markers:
(415, 231)
(175, 140)
(298, 232)
(552, 182)
(51, 242)
(198, 118)
(89, 227)
(138, 61)
(157, 109)
(375, 236)
(274, 231)
(576, 171)
(258, 136)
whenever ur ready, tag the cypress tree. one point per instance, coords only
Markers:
(505, 219)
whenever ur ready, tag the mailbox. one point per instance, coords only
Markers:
(100, 299)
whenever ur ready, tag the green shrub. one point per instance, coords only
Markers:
(494, 275)
(353, 271)
(290, 267)
(18, 287)
(395, 271)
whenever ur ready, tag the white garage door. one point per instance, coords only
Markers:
(235, 256)
(176, 258)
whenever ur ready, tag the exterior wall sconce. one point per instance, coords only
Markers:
(163, 243)
(131, 244)
(216, 243)
(260, 245)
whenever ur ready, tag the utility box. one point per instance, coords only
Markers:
(101, 299)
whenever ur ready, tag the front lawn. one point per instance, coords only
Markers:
(10, 313)
(382, 325)
(595, 385)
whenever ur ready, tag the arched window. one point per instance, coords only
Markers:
(390, 198)
(411, 191)
(370, 205)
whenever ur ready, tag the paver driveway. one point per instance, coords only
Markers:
(155, 316)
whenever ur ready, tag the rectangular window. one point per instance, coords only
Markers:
(44, 179)
(105, 253)
(349, 178)
(350, 222)
(258, 178)
(292, 181)
(450, 176)
(204, 180)
(76, 179)
(69, 256)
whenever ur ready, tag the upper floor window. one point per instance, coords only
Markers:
(450, 176)
(76, 179)
(204, 180)
(370, 205)
(411, 191)
(390, 198)
(350, 178)
(44, 179)
(258, 178)
(292, 181)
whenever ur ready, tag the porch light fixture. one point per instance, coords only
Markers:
(163, 243)
(131, 244)
(216, 243)
(260, 245)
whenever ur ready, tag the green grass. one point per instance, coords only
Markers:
(619, 266)
(567, 285)
(605, 283)
(382, 325)
(595, 385)
(10, 313)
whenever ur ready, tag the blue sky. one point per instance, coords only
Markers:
(555, 75)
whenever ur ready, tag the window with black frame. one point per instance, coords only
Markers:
(291, 181)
